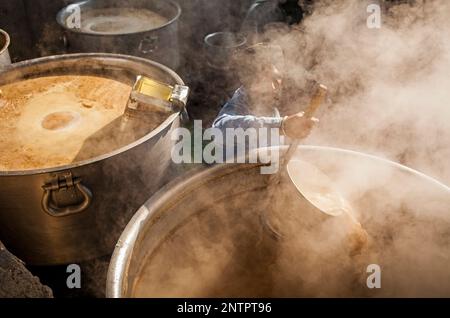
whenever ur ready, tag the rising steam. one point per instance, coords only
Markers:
(389, 97)
(389, 86)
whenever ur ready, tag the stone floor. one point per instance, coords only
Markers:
(16, 280)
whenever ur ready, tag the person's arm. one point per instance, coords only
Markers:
(225, 121)
(235, 114)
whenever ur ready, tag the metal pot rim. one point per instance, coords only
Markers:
(102, 56)
(8, 41)
(61, 14)
(240, 40)
(124, 248)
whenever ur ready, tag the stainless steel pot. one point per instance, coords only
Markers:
(159, 44)
(4, 54)
(75, 212)
(382, 191)
(220, 46)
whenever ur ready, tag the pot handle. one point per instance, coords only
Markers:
(66, 183)
(148, 44)
(65, 44)
(65, 41)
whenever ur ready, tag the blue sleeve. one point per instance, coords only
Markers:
(235, 114)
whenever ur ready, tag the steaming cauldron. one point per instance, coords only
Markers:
(203, 236)
(74, 212)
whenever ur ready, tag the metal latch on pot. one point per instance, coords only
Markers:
(65, 195)
(149, 95)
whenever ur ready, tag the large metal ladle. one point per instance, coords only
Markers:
(317, 100)
(313, 184)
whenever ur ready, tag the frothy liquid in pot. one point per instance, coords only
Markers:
(224, 252)
(58, 120)
(221, 250)
(120, 21)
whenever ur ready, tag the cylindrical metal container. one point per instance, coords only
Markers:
(109, 187)
(220, 47)
(4, 54)
(201, 237)
(159, 43)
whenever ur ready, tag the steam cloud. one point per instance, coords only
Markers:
(389, 86)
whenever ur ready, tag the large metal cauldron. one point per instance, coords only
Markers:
(110, 187)
(202, 237)
(159, 44)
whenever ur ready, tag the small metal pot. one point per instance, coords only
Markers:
(220, 47)
(5, 59)
(159, 44)
(76, 212)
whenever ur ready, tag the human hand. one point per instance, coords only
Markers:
(298, 126)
